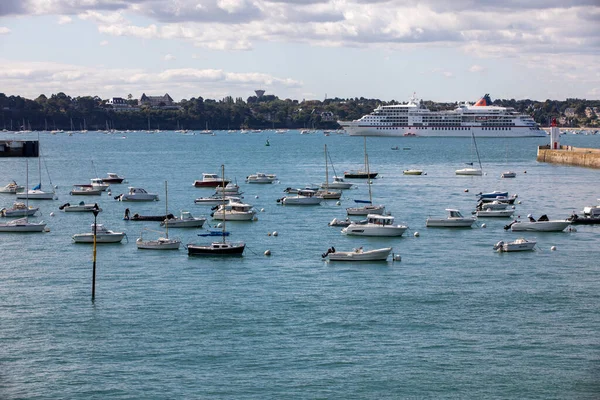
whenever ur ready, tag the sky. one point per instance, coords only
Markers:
(439, 50)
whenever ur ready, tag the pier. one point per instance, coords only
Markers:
(555, 153)
(19, 148)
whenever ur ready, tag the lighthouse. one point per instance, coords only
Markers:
(554, 135)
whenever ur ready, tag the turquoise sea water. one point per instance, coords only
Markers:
(452, 319)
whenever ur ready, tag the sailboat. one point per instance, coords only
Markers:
(37, 193)
(222, 248)
(369, 208)
(23, 224)
(471, 171)
(162, 243)
(361, 174)
(206, 131)
(508, 174)
(328, 194)
(338, 182)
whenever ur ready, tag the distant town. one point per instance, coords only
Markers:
(257, 111)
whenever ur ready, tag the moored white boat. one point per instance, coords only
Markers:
(158, 244)
(454, 220)
(337, 183)
(260, 177)
(376, 225)
(302, 198)
(22, 225)
(210, 180)
(12, 188)
(468, 172)
(103, 235)
(508, 174)
(487, 212)
(216, 200)
(112, 177)
(85, 190)
(234, 212)
(138, 194)
(541, 225)
(19, 210)
(81, 207)
(520, 244)
(358, 254)
(366, 209)
(413, 172)
(185, 220)
(36, 194)
(97, 183)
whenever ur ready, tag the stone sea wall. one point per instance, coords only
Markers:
(569, 155)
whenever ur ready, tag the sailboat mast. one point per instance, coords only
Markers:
(166, 210)
(223, 197)
(368, 177)
(27, 188)
(477, 151)
(326, 172)
(366, 159)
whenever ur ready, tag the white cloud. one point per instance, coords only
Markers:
(64, 19)
(4, 30)
(169, 57)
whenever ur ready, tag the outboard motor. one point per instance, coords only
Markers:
(63, 206)
(507, 227)
(498, 246)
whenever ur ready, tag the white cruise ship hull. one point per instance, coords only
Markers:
(354, 129)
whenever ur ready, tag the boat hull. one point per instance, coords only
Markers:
(540, 226)
(374, 230)
(302, 201)
(195, 223)
(218, 215)
(217, 249)
(468, 172)
(210, 184)
(365, 210)
(158, 244)
(36, 195)
(359, 255)
(100, 238)
(360, 175)
(19, 212)
(495, 213)
(17, 228)
(449, 223)
(355, 129)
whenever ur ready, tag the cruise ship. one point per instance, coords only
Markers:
(412, 119)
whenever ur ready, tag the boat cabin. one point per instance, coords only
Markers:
(134, 190)
(380, 219)
(454, 213)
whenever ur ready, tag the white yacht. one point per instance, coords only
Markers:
(376, 225)
(302, 197)
(413, 119)
(234, 212)
(138, 194)
(260, 177)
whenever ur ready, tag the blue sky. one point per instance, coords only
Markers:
(441, 50)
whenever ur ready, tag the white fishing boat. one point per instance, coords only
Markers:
(488, 212)
(23, 224)
(98, 183)
(211, 181)
(231, 189)
(185, 220)
(234, 211)
(12, 188)
(520, 244)
(260, 177)
(454, 220)
(221, 248)
(302, 198)
(543, 224)
(358, 254)
(376, 225)
(85, 190)
(19, 210)
(103, 235)
(137, 194)
(81, 207)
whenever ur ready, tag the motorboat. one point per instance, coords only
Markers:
(329, 194)
(260, 177)
(492, 205)
(81, 207)
(376, 225)
(358, 254)
(592, 211)
(291, 190)
(543, 224)
(216, 249)
(97, 183)
(103, 235)
(12, 188)
(338, 183)
(500, 199)
(22, 225)
(340, 222)
(508, 174)
(488, 212)
(366, 209)
(469, 171)
(216, 200)
(19, 210)
(234, 212)
(413, 172)
(454, 220)
(85, 190)
(137, 194)
(211, 180)
(492, 195)
(112, 177)
(185, 220)
(520, 244)
(231, 189)
(302, 198)
(591, 216)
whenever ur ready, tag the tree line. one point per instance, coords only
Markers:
(60, 111)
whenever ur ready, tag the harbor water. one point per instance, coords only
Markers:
(451, 319)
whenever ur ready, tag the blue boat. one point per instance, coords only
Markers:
(492, 195)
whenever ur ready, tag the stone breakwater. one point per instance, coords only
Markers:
(569, 155)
